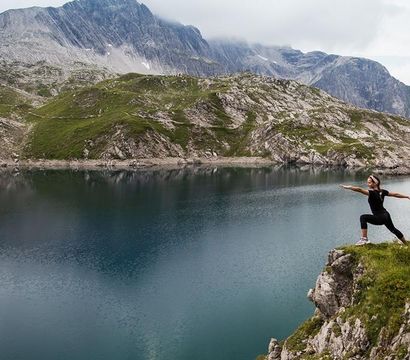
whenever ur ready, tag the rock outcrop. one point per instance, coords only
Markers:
(334, 288)
(341, 327)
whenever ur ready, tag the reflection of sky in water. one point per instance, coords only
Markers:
(168, 265)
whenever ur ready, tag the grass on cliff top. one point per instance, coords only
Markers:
(62, 127)
(308, 329)
(383, 290)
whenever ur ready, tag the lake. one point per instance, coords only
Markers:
(197, 263)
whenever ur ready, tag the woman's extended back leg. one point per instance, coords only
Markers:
(391, 227)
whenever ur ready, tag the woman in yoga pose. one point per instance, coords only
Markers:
(380, 215)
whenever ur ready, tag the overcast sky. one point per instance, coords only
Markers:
(377, 29)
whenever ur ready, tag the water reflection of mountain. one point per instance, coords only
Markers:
(273, 175)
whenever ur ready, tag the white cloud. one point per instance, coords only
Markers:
(313, 24)
(401, 72)
(394, 35)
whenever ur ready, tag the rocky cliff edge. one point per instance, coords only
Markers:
(362, 301)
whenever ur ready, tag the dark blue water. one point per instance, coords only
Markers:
(201, 264)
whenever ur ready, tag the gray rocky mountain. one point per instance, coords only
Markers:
(362, 82)
(121, 35)
(124, 36)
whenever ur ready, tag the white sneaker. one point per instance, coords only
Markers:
(363, 241)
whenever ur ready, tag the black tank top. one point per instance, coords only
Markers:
(376, 199)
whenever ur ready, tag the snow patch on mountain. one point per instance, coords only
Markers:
(263, 58)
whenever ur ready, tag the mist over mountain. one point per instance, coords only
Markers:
(123, 36)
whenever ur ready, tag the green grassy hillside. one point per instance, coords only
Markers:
(12, 103)
(137, 116)
(131, 102)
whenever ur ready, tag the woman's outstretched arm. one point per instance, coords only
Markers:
(398, 195)
(355, 188)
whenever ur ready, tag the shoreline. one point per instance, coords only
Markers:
(175, 163)
(134, 164)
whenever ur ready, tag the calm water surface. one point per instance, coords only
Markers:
(203, 264)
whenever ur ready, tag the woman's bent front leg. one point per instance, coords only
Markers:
(371, 219)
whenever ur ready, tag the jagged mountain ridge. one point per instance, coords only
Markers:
(124, 36)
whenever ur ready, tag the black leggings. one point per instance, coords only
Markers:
(380, 219)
